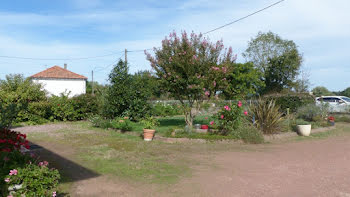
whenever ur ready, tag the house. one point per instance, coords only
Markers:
(57, 80)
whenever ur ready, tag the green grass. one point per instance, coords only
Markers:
(125, 156)
(340, 130)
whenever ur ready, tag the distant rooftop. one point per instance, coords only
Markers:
(57, 72)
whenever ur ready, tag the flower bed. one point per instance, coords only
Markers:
(21, 174)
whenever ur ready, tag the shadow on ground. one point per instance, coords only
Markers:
(69, 170)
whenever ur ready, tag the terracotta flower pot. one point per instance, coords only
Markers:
(148, 134)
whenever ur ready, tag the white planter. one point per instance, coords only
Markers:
(304, 130)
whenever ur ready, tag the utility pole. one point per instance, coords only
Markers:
(126, 57)
(92, 81)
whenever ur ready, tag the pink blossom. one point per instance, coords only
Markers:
(206, 118)
(195, 57)
(169, 73)
(190, 86)
(224, 69)
(32, 155)
(222, 116)
(198, 76)
(7, 180)
(214, 83)
(184, 53)
(246, 113)
(13, 172)
(9, 196)
(224, 79)
(239, 104)
(227, 108)
(54, 194)
(212, 122)
(203, 89)
(207, 93)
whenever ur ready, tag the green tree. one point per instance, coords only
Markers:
(191, 69)
(242, 81)
(268, 51)
(125, 97)
(345, 92)
(282, 72)
(321, 91)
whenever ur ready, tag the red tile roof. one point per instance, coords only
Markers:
(58, 73)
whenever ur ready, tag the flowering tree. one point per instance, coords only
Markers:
(191, 69)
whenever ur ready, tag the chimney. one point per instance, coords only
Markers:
(65, 66)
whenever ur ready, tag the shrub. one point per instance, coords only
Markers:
(62, 108)
(150, 122)
(250, 134)
(85, 105)
(229, 118)
(291, 101)
(311, 112)
(122, 124)
(267, 115)
(101, 122)
(34, 180)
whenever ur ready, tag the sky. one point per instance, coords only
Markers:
(59, 31)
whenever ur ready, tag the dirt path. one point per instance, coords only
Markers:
(308, 168)
(305, 168)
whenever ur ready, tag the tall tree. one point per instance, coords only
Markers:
(191, 69)
(125, 97)
(268, 51)
(282, 71)
(321, 91)
(243, 80)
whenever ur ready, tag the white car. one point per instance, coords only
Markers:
(336, 103)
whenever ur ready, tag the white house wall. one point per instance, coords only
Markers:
(58, 86)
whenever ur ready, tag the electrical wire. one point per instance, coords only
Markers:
(64, 59)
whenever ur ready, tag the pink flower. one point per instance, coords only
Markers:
(54, 194)
(195, 57)
(13, 172)
(246, 113)
(227, 108)
(214, 83)
(177, 76)
(224, 69)
(224, 79)
(10, 196)
(206, 118)
(207, 93)
(7, 180)
(222, 116)
(212, 122)
(203, 89)
(190, 86)
(239, 104)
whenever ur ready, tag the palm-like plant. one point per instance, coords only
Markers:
(266, 114)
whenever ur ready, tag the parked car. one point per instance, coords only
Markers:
(335, 103)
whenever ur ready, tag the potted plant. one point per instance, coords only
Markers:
(331, 120)
(303, 128)
(149, 124)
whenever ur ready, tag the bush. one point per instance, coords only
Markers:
(250, 134)
(291, 101)
(63, 108)
(229, 118)
(267, 115)
(311, 112)
(35, 180)
(122, 124)
(100, 122)
(85, 105)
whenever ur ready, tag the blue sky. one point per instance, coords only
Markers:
(63, 29)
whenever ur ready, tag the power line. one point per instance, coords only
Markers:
(98, 69)
(265, 8)
(235, 21)
(64, 59)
